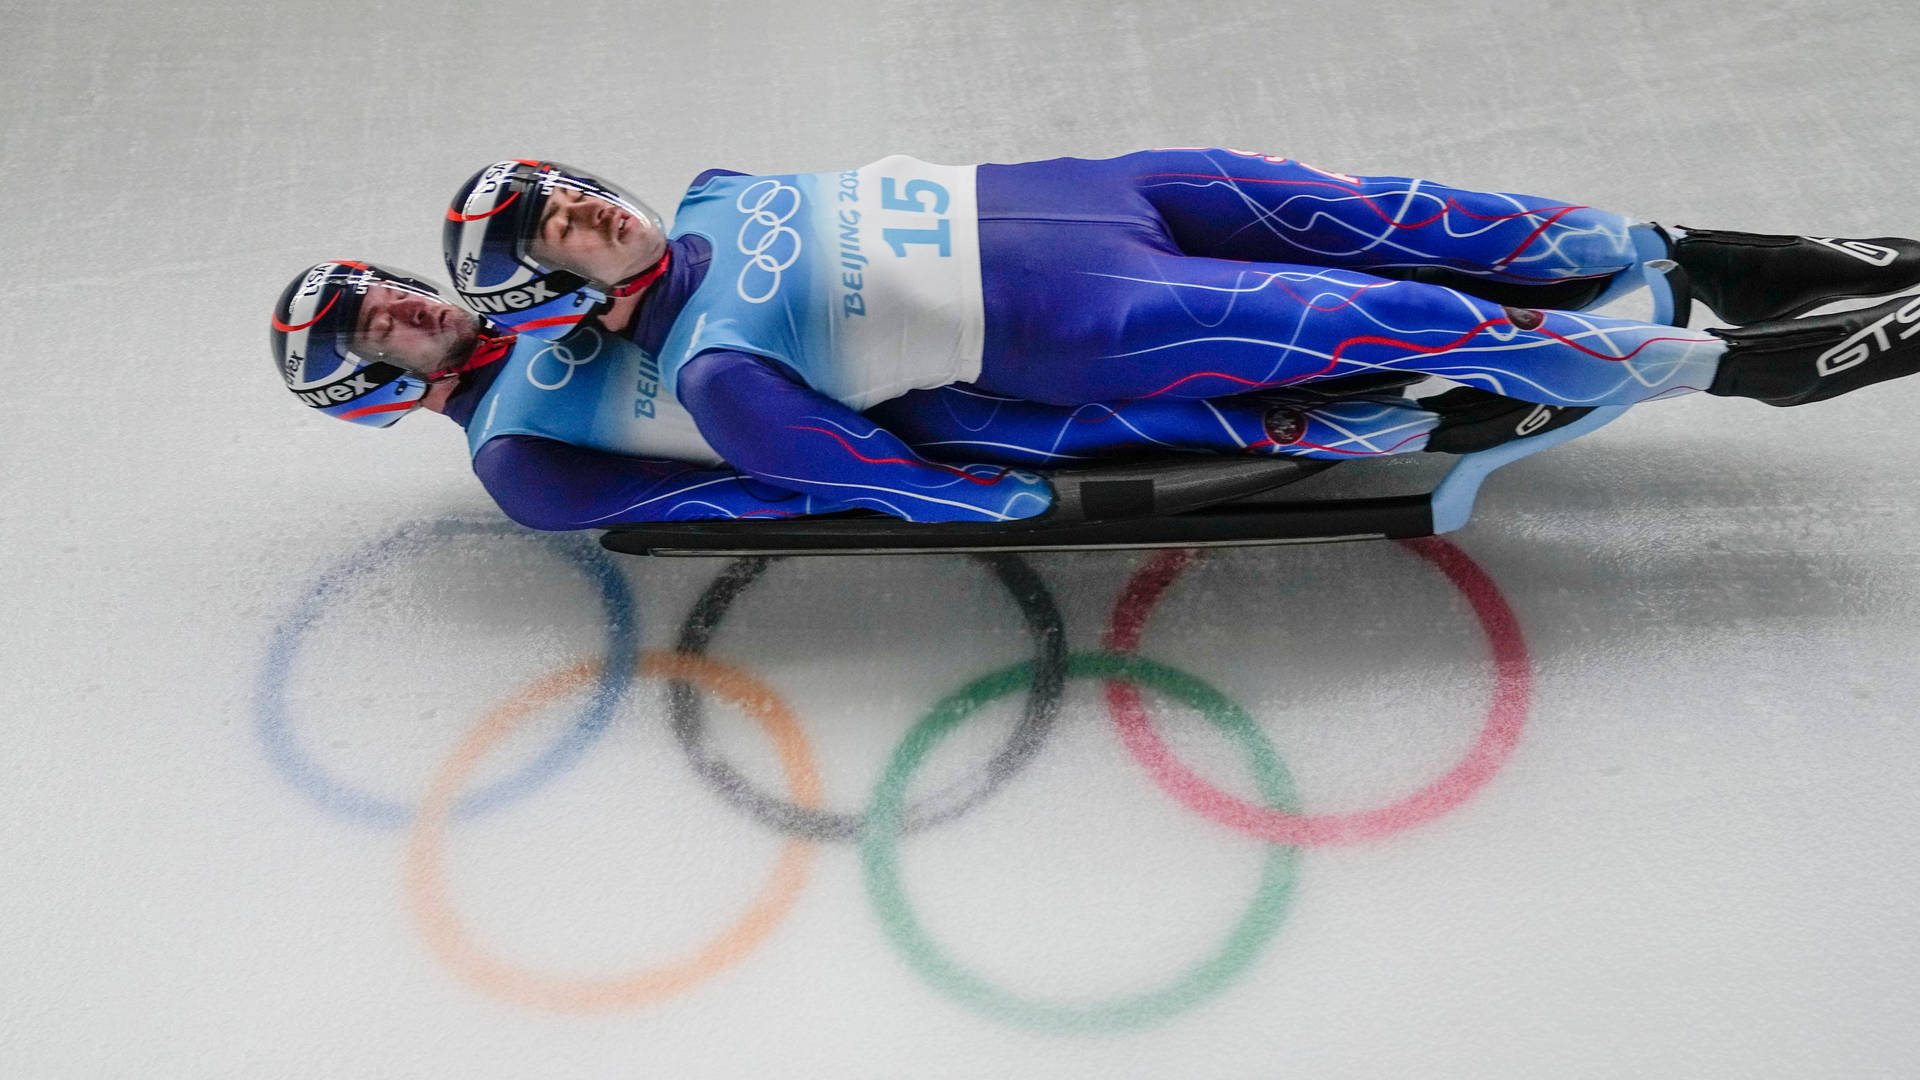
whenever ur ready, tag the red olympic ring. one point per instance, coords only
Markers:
(447, 936)
(1506, 716)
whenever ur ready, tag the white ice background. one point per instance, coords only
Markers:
(1697, 861)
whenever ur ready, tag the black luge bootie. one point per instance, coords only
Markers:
(1754, 277)
(1472, 420)
(1795, 361)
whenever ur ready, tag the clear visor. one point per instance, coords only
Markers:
(412, 326)
(587, 226)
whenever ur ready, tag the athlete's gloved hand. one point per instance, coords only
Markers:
(771, 426)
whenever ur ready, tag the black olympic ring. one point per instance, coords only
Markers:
(1043, 620)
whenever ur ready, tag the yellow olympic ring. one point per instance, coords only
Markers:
(449, 939)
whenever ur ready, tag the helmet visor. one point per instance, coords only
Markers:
(409, 324)
(580, 224)
(353, 339)
(556, 187)
(534, 245)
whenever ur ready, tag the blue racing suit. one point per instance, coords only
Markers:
(1167, 284)
(531, 423)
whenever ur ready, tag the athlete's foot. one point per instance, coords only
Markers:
(1795, 361)
(1472, 420)
(1754, 277)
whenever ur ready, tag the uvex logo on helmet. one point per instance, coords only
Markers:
(494, 303)
(356, 385)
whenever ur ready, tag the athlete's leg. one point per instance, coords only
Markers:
(1152, 325)
(1237, 205)
(1521, 250)
(962, 422)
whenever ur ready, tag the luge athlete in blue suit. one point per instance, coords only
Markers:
(802, 320)
(369, 344)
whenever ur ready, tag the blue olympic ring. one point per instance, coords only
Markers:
(292, 761)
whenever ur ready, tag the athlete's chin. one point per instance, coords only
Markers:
(461, 339)
(641, 254)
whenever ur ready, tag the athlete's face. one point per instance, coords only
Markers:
(594, 238)
(423, 334)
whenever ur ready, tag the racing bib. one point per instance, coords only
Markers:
(864, 282)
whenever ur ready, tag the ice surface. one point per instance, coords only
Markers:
(1696, 860)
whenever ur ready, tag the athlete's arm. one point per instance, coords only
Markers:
(544, 484)
(769, 424)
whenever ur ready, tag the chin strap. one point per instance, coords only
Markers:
(486, 350)
(633, 285)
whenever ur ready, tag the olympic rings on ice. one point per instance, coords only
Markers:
(450, 940)
(1210, 976)
(291, 760)
(1507, 715)
(879, 827)
(1046, 686)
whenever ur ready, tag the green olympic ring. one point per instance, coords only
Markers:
(1191, 987)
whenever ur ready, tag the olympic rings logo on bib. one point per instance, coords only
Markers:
(773, 247)
(566, 357)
